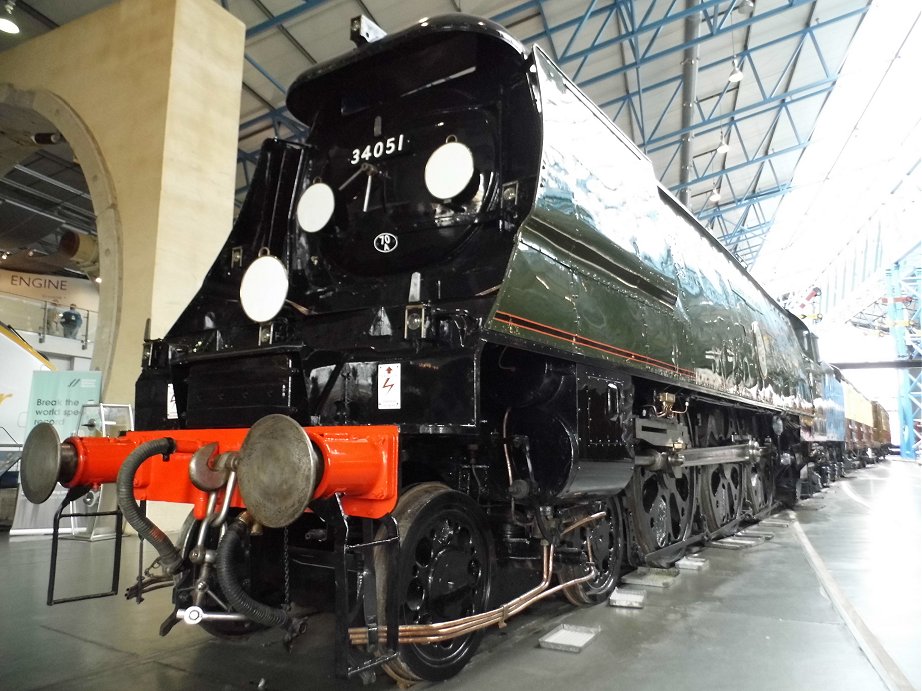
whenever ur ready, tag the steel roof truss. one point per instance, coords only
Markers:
(722, 63)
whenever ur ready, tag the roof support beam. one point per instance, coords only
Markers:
(51, 181)
(283, 17)
(904, 289)
(743, 202)
(690, 61)
(547, 32)
(740, 166)
(69, 224)
(643, 27)
(743, 55)
(716, 31)
(595, 40)
(883, 364)
(808, 91)
(590, 9)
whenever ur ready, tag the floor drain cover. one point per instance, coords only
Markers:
(632, 598)
(691, 563)
(650, 577)
(569, 637)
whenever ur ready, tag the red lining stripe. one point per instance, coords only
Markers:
(576, 339)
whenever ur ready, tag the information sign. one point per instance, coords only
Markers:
(56, 398)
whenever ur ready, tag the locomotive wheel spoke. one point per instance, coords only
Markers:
(443, 573)
(660, 503)
(602, 547)
(722, 493)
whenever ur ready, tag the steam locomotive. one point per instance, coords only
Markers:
(461, 325)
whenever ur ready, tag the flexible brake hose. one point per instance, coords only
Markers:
(230, 586)
(169, 555)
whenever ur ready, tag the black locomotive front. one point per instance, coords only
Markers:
(393, 229)
(353, 291)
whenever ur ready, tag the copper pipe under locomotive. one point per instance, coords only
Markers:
(461, 324)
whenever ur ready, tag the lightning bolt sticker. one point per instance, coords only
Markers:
(389, 386)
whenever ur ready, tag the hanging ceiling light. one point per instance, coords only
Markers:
(7, 25)
(736, 76)
(724, 146)
(746, 7)
(715, 195)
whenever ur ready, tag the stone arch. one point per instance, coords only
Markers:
(105, 206)
(128, 86)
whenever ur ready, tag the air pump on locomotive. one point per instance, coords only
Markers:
(460, 325)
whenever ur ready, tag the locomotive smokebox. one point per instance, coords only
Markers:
(279, 469)
(45, 463)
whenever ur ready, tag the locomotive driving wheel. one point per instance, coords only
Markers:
(601, 544)
(661, 505)
(722, 493)
(443, 573)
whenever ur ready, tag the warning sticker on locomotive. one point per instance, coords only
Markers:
(172, 412)
(389, 386)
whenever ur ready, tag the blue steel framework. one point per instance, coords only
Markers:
(904, 288)
(751, 187)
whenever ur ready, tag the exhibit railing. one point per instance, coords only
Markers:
(48, 319)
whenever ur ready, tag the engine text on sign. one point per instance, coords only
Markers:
(389, 386)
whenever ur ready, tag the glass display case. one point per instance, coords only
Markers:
(105, 420)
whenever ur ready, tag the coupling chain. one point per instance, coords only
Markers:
(287, 569)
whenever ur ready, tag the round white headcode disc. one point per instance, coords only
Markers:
(449, 170)
(315, 207)
(264, 288)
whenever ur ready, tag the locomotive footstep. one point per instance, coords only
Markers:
(774, 523)
(650, 577)
(569, 637)
(630, 598)
(692, 563)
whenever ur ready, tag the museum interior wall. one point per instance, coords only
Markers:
(150, 105)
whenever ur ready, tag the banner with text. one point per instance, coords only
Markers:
(56, 398)
(63, 290)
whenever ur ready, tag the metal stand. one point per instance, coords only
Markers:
(73, 494)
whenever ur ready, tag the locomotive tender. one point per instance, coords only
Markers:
(461, 325)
